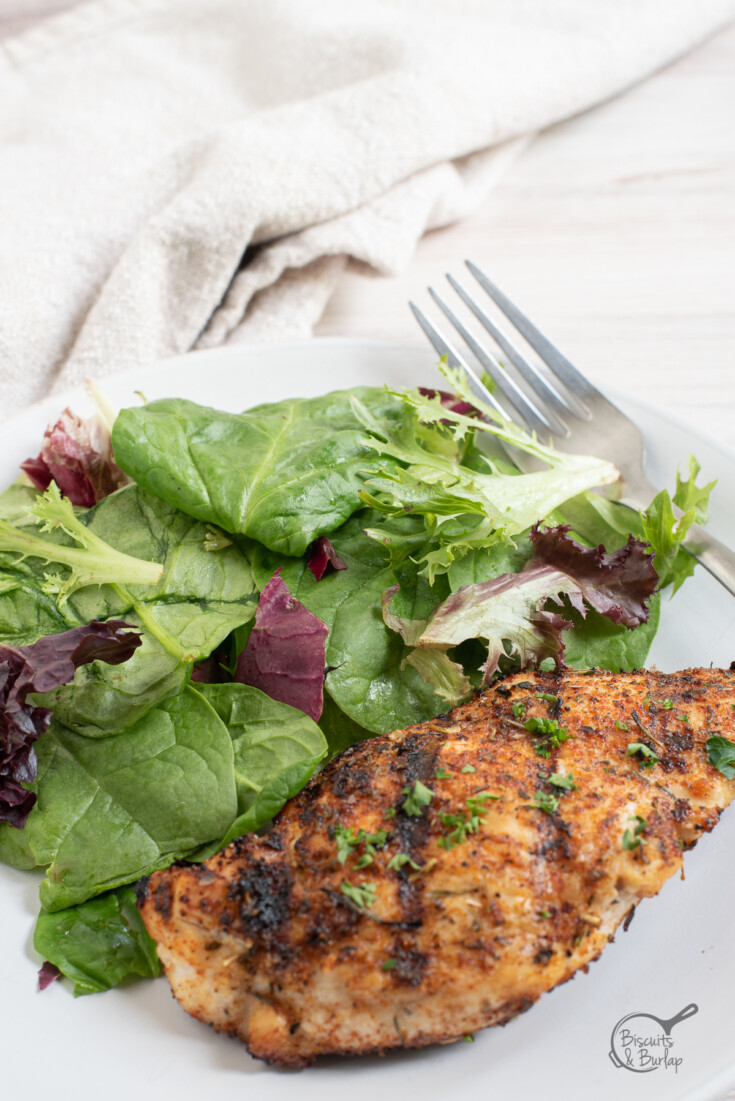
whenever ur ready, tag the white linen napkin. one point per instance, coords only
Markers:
(181, 173)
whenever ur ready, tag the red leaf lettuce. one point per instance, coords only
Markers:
(77, 455)
(285, 653)
(46, 664)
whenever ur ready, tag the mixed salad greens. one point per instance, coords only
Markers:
(190, 628)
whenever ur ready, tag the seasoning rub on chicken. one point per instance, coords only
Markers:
(439, 879)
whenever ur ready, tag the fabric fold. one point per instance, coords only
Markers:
(184, 173)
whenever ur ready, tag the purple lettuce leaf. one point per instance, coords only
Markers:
(47, 973)
(619, 585)
(323, 558)
(46, 664)
(77, 455)
(285, 653)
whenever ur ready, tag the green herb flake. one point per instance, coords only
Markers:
(416, 797)
(548, 665)
(476, 803)
(389, 964)
(683, 719)
(647, 756)
(442, 774)
(562, 780)
(621, 725)
(462, 825)
(544, 913)
(390, 812)
(346, 839)
(362, 894)
(396, 862)
(349, 839)
(553, 735)
(469, 1038)
(721, 754)
(546, 802)
(549, 697)
(519, 710)
(668, 705)
(647, 701)
(469, 768)
(633, 839)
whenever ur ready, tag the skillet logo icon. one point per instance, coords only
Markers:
(641, 1042)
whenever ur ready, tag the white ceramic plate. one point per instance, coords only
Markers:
(137, 1043)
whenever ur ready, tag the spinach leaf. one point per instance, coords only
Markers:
(721, 755)
(202, 596)
(111, 810)
(15, 503)
(368, 678)
(26, 612)
(282, 473)
(595, 641)
(276, 749)
(98, 943)
(339, 729)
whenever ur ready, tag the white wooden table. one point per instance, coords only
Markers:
(614, 231)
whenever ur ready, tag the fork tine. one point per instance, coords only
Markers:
(552, 357)
(522, 406)
(542, 388)
(444, 348)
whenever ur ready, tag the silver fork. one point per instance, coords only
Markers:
(558, 402)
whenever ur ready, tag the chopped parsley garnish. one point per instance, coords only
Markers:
(348, 839)
(632, 839)
(668, 705)
(647, 756)
(544, 913)
(469, 768)
(545, 801)
(390, 812)
(442, 774)
(463, 824)
(389, 964)
(648, 702)
(721, 754)
(469, 1038)
(416, 797)
(683, 719)
(621, 726)
(552, 734)
(476, 803)
(549, 697)
(519, 710)
(562, 780)
(362, 894)
(399, 860)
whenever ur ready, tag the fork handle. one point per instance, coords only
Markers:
(716, 558)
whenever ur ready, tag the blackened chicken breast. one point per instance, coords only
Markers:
(439, 879)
